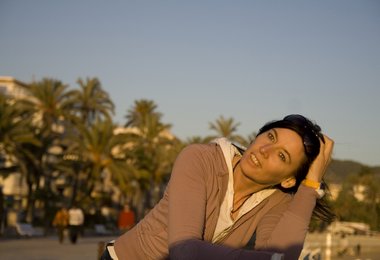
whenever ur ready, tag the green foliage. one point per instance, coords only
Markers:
(226, 127)
(361, 192)
(151, 153)
(90, 103)
(15, 132)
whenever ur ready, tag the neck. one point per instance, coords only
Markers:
(243, 186)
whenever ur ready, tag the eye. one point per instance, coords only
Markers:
(282, 156)
(271, 137)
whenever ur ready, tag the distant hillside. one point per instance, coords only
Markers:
(340, 170)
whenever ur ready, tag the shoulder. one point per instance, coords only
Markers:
(202, 151)
(205, 148)
(200, 158)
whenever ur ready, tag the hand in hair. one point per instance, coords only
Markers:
(318, 167)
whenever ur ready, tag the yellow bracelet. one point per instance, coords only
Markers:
(312, 184)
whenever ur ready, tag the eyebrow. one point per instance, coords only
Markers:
(276, 135)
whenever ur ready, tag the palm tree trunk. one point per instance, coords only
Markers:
(29, 203)
(2, 211)
(75, 189)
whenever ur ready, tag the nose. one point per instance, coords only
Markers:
(265, 150)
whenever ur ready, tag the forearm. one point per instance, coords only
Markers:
(187, 196)
(284, 230)
(194, 249)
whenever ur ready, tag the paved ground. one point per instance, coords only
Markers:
(48, 248)
(370, 246)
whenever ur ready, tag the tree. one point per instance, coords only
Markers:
(46, 105)
(91, 102)
(92, 151)
(226, 127)
(142, 113)
(359, 192)
(371, 193)
(346, 201)
(14, 133)
(153, 150)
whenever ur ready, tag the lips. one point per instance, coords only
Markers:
(255, 160)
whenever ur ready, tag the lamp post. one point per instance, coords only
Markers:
(328, 246)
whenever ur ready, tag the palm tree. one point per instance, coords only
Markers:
(15, 133)
(87, 108)
(139, 115)
(153, 150)
(45, 103)
(91, 102)
(226, 127)
(94, 150)
(46, 100)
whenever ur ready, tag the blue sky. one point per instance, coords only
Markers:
(254, 61)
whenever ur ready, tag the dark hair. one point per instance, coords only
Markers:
(311, 136)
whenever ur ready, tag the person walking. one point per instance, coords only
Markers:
(60, 222)
(76, 220)
(126, 219)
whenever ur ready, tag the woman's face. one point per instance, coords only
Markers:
(273, 158)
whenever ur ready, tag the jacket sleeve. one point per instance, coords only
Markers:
(194, 249)
(284, 228)
(187, 196)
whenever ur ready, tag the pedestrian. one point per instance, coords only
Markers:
(76, 220)
(60, 222)
(357, 249)
(222, 198)
(126, 219)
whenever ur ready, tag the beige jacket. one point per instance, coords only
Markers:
(190, 207)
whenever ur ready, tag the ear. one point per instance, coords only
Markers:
(288, 183)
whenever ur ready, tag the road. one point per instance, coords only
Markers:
(48, 248)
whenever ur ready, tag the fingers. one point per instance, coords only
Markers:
(320, 164)
(327, 149)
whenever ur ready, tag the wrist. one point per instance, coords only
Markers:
(311, 183)
(314, 177)
(319, 187)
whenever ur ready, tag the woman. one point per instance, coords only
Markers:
(221, 198)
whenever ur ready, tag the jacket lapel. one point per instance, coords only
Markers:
(255, 215)
(222, 182)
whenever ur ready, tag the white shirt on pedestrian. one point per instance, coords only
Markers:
(76, 217)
